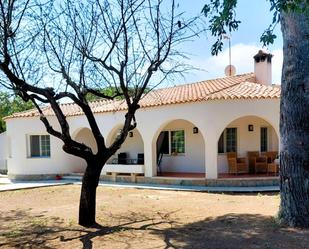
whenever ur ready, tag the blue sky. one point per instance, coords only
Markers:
(255, 18)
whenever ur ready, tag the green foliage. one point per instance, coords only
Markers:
(222, 18)
(278, 6)
(10, 105)
(109, 91)
(112, 91)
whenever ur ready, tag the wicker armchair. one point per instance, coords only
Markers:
(271, 156)
(236, 165)
(252, 155)
(272, 166)
(261, 164)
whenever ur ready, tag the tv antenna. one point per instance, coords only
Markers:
(230, 70)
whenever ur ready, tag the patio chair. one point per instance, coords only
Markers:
(272, 166)
(260, 164)
(251, 159)
(236, 165)
(271, 155)
(140, 158)
(122, 158)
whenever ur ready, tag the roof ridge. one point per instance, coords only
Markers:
(157, 91)
(260, 84)
(205, 81)
(219, 90)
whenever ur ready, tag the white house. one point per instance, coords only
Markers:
(192, 125)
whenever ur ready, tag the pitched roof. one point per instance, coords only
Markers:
(242, 86)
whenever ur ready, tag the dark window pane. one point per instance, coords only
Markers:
(231, 139)
(45, 146)
(34, 146)
(165, 149)
(264, 140)
(221, 143)
(39, 146)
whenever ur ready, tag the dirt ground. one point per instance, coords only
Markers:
(130, 218)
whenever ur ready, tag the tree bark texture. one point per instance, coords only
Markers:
(294, 120)
(87, 205)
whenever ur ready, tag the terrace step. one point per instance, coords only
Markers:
(75, 177)
(269, 182)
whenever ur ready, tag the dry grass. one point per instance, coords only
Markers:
(129, 218)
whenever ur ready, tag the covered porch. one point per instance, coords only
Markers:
(248, 147)
(245, 148)
(129, 159)
(180, 150)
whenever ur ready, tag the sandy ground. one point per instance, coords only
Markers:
(130, 218)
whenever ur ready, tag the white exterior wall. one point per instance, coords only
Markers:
(19, 163)
(249, 140)
(210, 117)
(4, 150)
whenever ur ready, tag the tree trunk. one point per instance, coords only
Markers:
(294, 120)
(87, 205)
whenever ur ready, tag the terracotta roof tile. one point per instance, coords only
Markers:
(235, 87)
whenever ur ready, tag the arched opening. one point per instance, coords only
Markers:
(129, 159)
(180, 150)
(133, 146)
(248, 139)
(83, 135)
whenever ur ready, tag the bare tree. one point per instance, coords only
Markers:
(81, 47)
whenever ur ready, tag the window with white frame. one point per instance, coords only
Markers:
(228, 141)
(231, 139)
(39, 146)
(178, 141)
(173, 142)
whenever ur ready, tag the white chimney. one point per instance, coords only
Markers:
(262, 67)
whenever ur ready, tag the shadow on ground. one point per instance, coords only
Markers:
(236, 231)
(20, 228)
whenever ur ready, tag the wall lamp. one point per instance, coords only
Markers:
(195, 130)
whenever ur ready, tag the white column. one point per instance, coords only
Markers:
(150, 159)
(211, 159)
